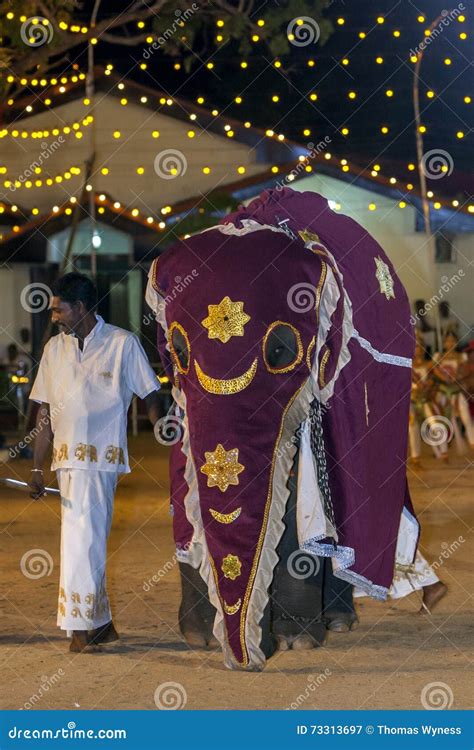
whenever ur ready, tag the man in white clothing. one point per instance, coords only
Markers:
(85, 382)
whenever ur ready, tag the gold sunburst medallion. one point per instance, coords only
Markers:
(225, 320)
(222, 467)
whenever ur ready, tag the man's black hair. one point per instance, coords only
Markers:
(76, 287)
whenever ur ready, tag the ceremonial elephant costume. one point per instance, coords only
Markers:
(290, 349)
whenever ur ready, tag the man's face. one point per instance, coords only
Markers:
(67, 316)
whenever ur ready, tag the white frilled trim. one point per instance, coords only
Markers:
(342, 559)
(195, 553)
(157, 303)
(329, 299)
(248, 225)
(182, 555)
(388, 359)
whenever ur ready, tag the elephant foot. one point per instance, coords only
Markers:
(197, 632)
(196, 613)
(342, 622)
(298, 634)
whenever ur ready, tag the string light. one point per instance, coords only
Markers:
(14, 132)
(45, 82)
(62, 81)
(45, 182)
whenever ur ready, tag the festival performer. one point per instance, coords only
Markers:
(84, 385)
(451, 398)
(466, 376)
(423, 409)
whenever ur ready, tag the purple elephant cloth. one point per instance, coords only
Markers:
(285, 268)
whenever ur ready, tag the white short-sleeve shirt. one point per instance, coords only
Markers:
(89, 393)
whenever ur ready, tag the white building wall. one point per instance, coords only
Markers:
(135, 148)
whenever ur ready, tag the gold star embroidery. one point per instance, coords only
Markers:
(222, 467)
(231, 567)
(384, 278)
(225, 320)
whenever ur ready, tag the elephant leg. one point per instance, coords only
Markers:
(338, 605)
(296, 592)
(196, 613)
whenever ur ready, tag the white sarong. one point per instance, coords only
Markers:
(87, 500)
(419, 575)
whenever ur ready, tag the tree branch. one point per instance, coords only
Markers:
(127, 41)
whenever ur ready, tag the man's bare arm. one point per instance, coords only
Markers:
(42, 447)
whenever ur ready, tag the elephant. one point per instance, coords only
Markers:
(286, 333)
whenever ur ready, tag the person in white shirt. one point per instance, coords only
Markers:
(84, 384)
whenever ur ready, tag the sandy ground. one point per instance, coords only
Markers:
(386, 663)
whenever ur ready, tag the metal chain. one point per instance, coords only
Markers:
(317, 447)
